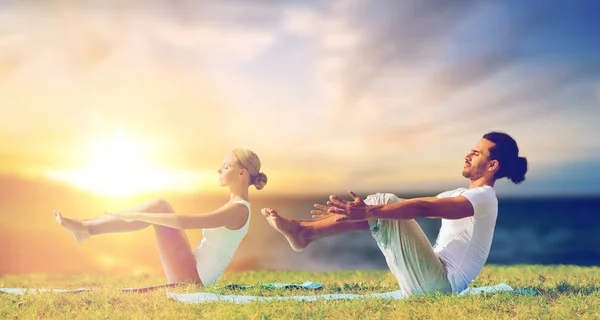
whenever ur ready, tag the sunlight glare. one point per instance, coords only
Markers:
(122, 166)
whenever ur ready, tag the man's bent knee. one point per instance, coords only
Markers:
(391, 198)
(381, 198)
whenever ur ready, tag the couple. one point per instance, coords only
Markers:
(462, 247)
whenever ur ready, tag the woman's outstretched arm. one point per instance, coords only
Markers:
(232, 216)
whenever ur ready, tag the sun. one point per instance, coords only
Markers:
(120, 166)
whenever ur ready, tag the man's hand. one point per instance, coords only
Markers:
(322, 210)
(347, 210)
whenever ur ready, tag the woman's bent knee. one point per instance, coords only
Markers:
(161, 206)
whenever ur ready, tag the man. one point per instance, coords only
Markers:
(468, 221)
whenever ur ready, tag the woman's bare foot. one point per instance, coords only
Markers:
(77, 227)
(288, 227)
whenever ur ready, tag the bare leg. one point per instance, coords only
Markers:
(174, 248)
(84, 228)
(300, 233)
(75, 226)
(108, 224)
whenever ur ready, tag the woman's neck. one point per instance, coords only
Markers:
(236, 194)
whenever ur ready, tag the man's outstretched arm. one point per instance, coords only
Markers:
(446, 208)
(432, 207)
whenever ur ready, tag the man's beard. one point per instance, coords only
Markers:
(466, 173)
(472, 174)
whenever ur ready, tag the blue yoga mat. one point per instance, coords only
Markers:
(205, 297)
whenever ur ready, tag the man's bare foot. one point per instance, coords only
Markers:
(288, 227)
(77, 228)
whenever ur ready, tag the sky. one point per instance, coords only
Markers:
(126, 97)
(105, 102)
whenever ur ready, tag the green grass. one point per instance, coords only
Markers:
(564, 292)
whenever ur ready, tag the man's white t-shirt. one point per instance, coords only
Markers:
(464, 244)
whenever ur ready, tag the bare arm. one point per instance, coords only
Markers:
(323, 210)
(431, 207)
(422, 198)
(232, 216)
(446, 208)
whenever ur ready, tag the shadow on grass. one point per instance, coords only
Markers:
(565, 288)
(354, 287)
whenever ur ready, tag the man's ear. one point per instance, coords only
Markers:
(494, 165)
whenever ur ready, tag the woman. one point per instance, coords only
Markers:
(223, 228)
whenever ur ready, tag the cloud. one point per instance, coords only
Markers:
(309, 86)
(91, 33)
(235, 42)
(487, 79)
(406, 34)
(98, 68)
(303, 21)
(505, 103)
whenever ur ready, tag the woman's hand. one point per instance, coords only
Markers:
(127, 217)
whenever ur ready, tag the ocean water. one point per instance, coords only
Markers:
(528, 231)
(547, 231)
